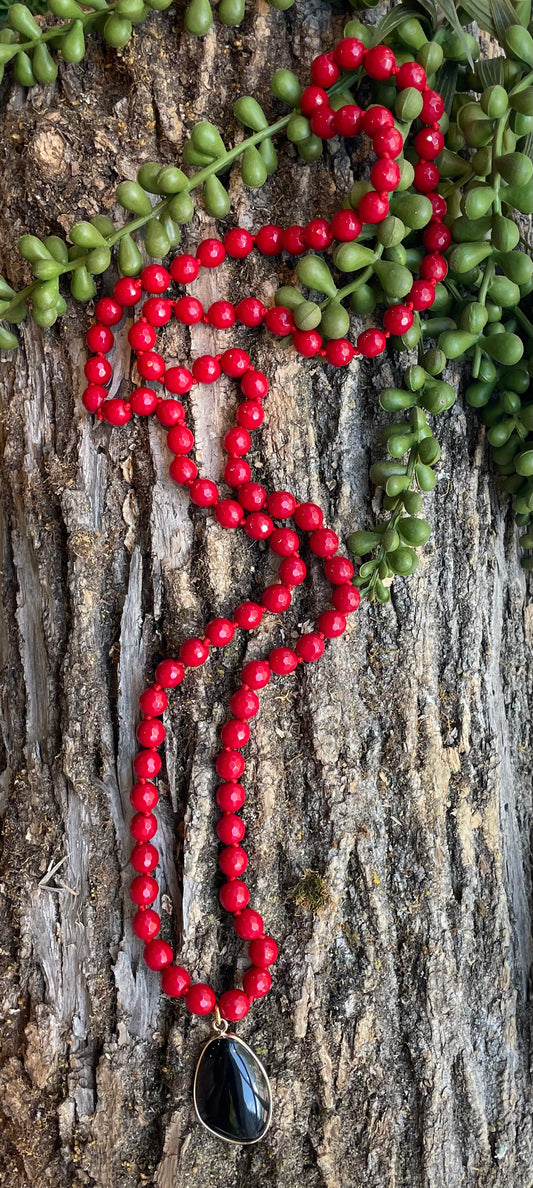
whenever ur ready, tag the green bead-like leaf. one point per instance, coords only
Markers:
(198, 18)
(181, 208)
(171, 229)
(148, 174)
(207, 139)
(20, 18)
(66, 9)
(129, 257)
(298, 128)
(269, 155)
(216, 198)
(286, 86)
(43, 65)
(253, 168)
(103, 224)
(403, 561)
(117, 31)
(248, 111)
(32, 249)
(350, 257)
(231, 12)
(133, 198)
(307, 315)
(73, 44)
(425, 477)
(156, 240)
(22, 70)
(86, 235)
(394, 279)
(314, 274)
(171, 180)
(98, 260)
(46, 269)
(335, 321)
(289, 297)
(310, 149)
(361, 543)
(8, 340)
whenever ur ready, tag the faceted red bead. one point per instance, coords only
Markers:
(98, 370)
(184, 269)
(373, 207)
(332, 623)
(284, 542)
(230, 797)
(200, 999)
(236, 472)
(310, 647)
(116, 412)
(279, 321)
(432, 107)
(428, 143)
(141, 336)
(258, 526)
(146, 924)
(385, 175)
(228, 513)
(155, 278)
(324, 71)
(203, 492)
(249, 924)
(175, 981)
(244, 703)
(312, 99)
(282, 661)
(233, 1005)
(144, 797)
(250, 414)
(349, 53)
(108, 312)
(345, 226)
(256, 674)
(307, 342)
(150, 732)
(317, 234)
(193, 652)
(411, 74)
(157, 954)
(143, 401)
(169, 673)
(276, 599)
(158, 311)
(178, 380)
(377, 117)
(183, 471)
(238, 243)
(346, 598)
(348, 120)
(426, 177)
(99, 338)
(143, 827)
(237, 441)
(233, 861)
(127, 290)
(211, 253)
(371, 343)
(220, 631)
(388, 140)
(230, 829)
(397, 319)
(263, 951)
(254, 385)
(439, 205)
(293, 240)
(422, 294)
(206, 369)
(292, 571)
(235, 733)
(151, 365)
(229, 765)
(189, 310)
(93, 397)
(256, 982)
(437, 237)
(235, 362)
(281, 504)
(433, 267)
(309, 516)
(252, 496)
(180, 439)
(269, 239)
(250, 311)
(338, 570)
(379, 62)
(221, 315)
(234, 896)
(339, 352)
(153, 702)
(143, 890)
(144, 857)
(323, 123)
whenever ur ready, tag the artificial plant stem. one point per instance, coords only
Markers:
(57, 31)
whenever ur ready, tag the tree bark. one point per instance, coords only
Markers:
(389, 806)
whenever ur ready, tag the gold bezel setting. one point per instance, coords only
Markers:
(235, 1142)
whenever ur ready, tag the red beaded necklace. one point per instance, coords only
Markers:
(221, 1102)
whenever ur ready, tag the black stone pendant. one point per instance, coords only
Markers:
(231, 1091)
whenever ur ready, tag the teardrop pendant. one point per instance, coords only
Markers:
(231, 1091)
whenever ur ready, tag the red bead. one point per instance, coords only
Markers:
(238, 243)
(433, 267)
(375, 118)
(143, 827)
(127, 290)
(310, 647)
(158, 311)
(348, 120)
(269, 239)
(205, 370)
(252, 496)
(324, 542)
(237, 472)
(346, 599)
(332, 623)
(254, 385)
(169, 673)
(317, 234)
(203, 492)
(233, 861)
(146, 924)
(258, 526)
(153, 702)
(175, 981)
(184, 269)
(183, 471)
(345, 226)
(220, 631)
(398, 319)
(116, 412)
(237, 441)
(234, 896)
(250, 311)
(144, 797)
(437, 237)
(281, 504)
(244, 703)
(312, 99)
(233, 1005)
(428, 143)
(293, 240)
(228, 513)
(211, 253)
(150, 732)
(200, 999)
(338, 570)
(263, 951)
(247, 616)
(250, 415)
(432, 107)
(279, 321)
(230, 797)
(371, 343)
(193, 652)
(426, 177)
(388, 140)
(256, 674)
(235, 733)
(99, 338)
(189, 310)
(98, 370)
(411, 74)
(292, 571)
(256, 982)
(155, 278)
(93, 397)
(276, 599)
(307, 342)
(373, 207)
(157, 954)
(282, 661)
(323, 123)
(324, 71)
(229, 765)
(141, 336)
(422, 294)
(108, 312)
(349, 53)
(309, 516)
(379, 62)
(439, 205)
(230, 829)
(143, 890)
(169, 413)
(235, 362)
(180, 439)
(385, 175)
(144, 857)
(339, 352)
(249, 924)
(178, 380)
(151, 365)
(143, 402)
(284, 542)
(221, 315)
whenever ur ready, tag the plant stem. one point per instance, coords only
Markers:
(62, 29)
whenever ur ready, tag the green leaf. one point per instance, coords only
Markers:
(503, 15)
(481, 14)
(446, 84)
(448, 9)
(490, 72)
(397, 15)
